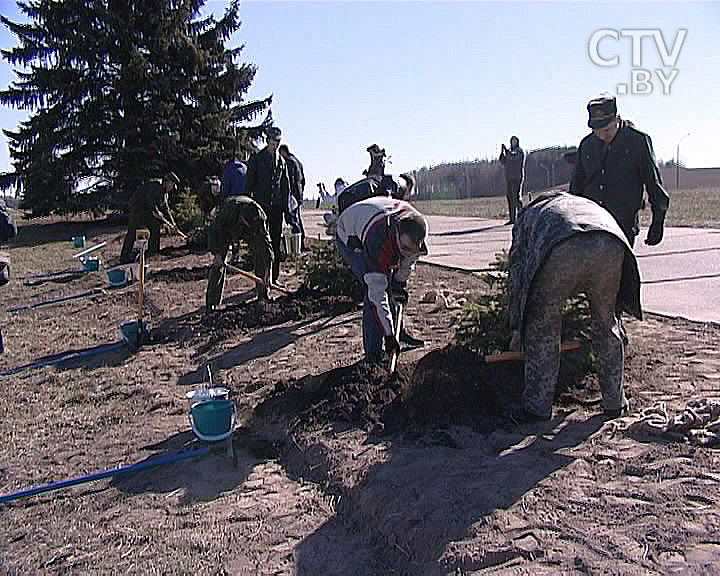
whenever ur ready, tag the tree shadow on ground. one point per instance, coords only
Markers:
(425, 499)
(201, 479)
(38, 231)
(263, 344)
(469, 231)
(109, 354)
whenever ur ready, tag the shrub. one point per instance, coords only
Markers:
(187, 212)
(325, 271)
(483, 325)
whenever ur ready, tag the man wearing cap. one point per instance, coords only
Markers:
(514, 162)
(380, 239)
(147, 208)
(376, 171)
(239, 218)
(612, 167)
(269, 184)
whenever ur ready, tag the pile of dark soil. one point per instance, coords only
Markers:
(300, 305)
(181, 274)
(448, 386)
(303, 304)
(361, 394)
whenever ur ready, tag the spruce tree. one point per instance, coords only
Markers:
(120, 91)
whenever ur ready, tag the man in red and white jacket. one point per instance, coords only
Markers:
(381, 239)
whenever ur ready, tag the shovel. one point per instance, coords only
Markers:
(398, 326)
(517, 355)
(253, 277)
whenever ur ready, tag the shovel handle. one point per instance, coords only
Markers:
(517, 355)
(398, 325)
(251, 276)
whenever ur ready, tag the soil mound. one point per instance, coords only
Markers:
(362, 394)
(303, 304)
(448, 386)
(299, 305)
(182, 274)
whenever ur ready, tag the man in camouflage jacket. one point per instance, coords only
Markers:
(239, 218)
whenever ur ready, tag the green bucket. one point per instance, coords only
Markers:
(130, 334)
(212, 420)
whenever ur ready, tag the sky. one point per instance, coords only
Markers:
(445, 81)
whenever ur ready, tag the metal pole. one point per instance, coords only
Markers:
(677, 162)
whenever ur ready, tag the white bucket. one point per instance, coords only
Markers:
(205, 394)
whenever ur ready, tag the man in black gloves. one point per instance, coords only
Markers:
(614, 164)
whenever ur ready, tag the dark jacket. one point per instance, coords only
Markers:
(150, 197)
(367, 188)
(514, 162)
(8, 229)
(545, 222)
(615, 174)
(296, 175)
(267, 180)
(234, 179)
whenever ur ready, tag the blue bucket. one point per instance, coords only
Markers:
(78, 241)
(130, 333)
(212, 420)
(91, 264)
(117, 277)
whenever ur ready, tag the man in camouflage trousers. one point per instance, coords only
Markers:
(239, 218)
(564, 244)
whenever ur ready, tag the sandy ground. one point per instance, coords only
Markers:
(576, 495)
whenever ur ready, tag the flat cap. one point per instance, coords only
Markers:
(601, 111)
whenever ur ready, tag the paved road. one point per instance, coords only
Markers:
(681, 276)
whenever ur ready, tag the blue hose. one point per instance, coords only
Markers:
(151, 463)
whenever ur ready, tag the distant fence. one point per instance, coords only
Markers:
(690, 177)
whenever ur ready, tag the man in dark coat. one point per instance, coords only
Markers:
(269, 184)
(239, 218)
(297, 189)
(8, 230)
(146, 209)
(514, 162)
(612, 167)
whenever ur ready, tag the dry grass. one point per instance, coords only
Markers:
(697, 207)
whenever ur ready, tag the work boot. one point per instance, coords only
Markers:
(619, 412)
(410, 340)
(520, 415)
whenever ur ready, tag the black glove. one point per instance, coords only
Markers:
(391, 344)
(398, 292)
(655, 233)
